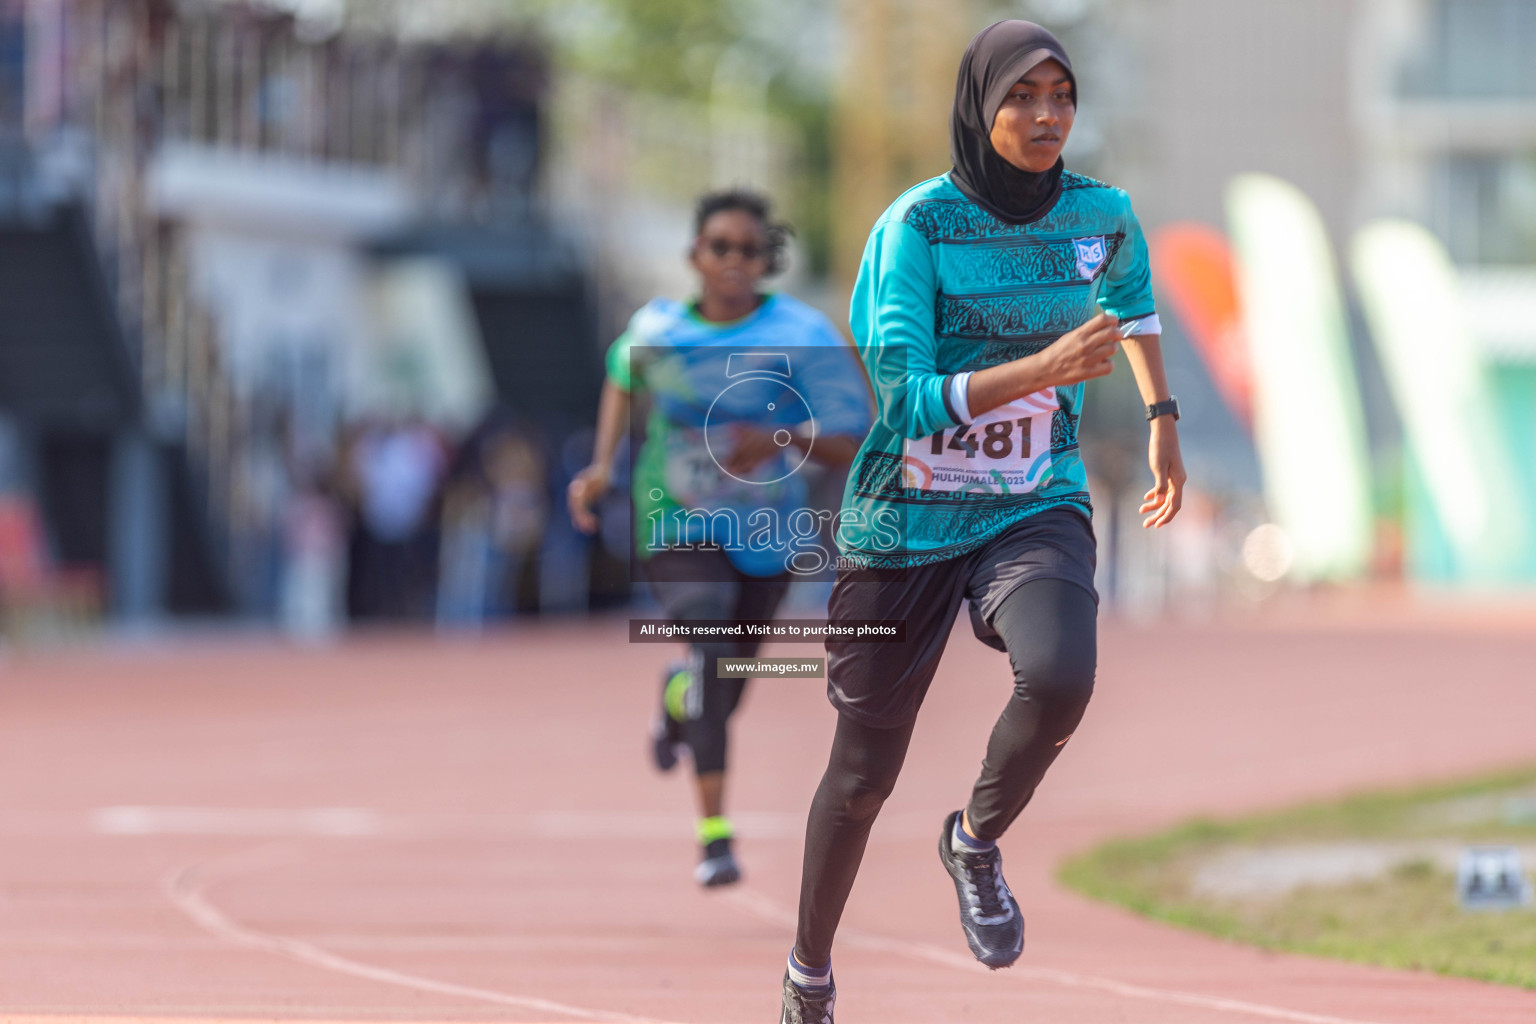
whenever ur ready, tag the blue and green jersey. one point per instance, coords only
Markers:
(781, 370)
(947, 288)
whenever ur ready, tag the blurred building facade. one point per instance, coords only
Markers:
(1423, 110)
(1417, 108)
(269, 235)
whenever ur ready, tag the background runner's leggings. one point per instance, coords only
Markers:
(711, 700)
(1049, 628)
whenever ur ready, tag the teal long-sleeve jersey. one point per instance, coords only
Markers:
(946, 288)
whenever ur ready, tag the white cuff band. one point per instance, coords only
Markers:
(958, 385)
(1148, 324)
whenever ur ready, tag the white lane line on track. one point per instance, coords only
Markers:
(234, 821)
(295, 822)
(326, 1016)
(184, 888)
(765, 909)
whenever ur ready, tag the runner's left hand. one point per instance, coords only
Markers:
(1166, 497)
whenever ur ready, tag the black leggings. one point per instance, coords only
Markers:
(1049, 629)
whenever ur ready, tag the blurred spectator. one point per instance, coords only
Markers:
(314, 549)
(313, 541)
(495, 508)
(397, 469)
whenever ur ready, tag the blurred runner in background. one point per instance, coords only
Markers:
(744, 387)
(976, 312)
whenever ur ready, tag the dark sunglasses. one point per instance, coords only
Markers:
(720, 249)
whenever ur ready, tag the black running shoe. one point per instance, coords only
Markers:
(718, 867)
(807, 1005)
(667, 730)
(994, 926)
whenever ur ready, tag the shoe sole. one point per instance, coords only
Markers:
(720, 878)
(725, 875)
(945, 857)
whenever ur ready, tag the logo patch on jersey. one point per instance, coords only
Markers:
(1090, 255)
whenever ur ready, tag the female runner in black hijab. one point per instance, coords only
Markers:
(995, 60)
(977, 315)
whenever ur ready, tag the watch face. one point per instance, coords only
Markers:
(766, 405)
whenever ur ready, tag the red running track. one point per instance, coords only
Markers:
(396, 829)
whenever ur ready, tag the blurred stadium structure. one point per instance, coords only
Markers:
(310, 293)
(242, 246)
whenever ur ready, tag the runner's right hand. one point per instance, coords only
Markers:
(586, 489)
(1084, 352)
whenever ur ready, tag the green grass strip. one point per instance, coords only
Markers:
(1407, 918)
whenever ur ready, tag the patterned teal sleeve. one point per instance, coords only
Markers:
(1128, 292)
(892, 321)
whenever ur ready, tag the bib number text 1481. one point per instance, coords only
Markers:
(994, 441)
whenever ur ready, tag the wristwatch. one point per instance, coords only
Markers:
(1167, 407)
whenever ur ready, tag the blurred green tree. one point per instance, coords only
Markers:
(674, 47)
(679, 48)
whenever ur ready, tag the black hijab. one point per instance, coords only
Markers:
(996, 59)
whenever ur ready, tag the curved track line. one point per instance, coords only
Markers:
(764, 909)
(184, 888)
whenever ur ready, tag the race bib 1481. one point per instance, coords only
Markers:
(1004, 451)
